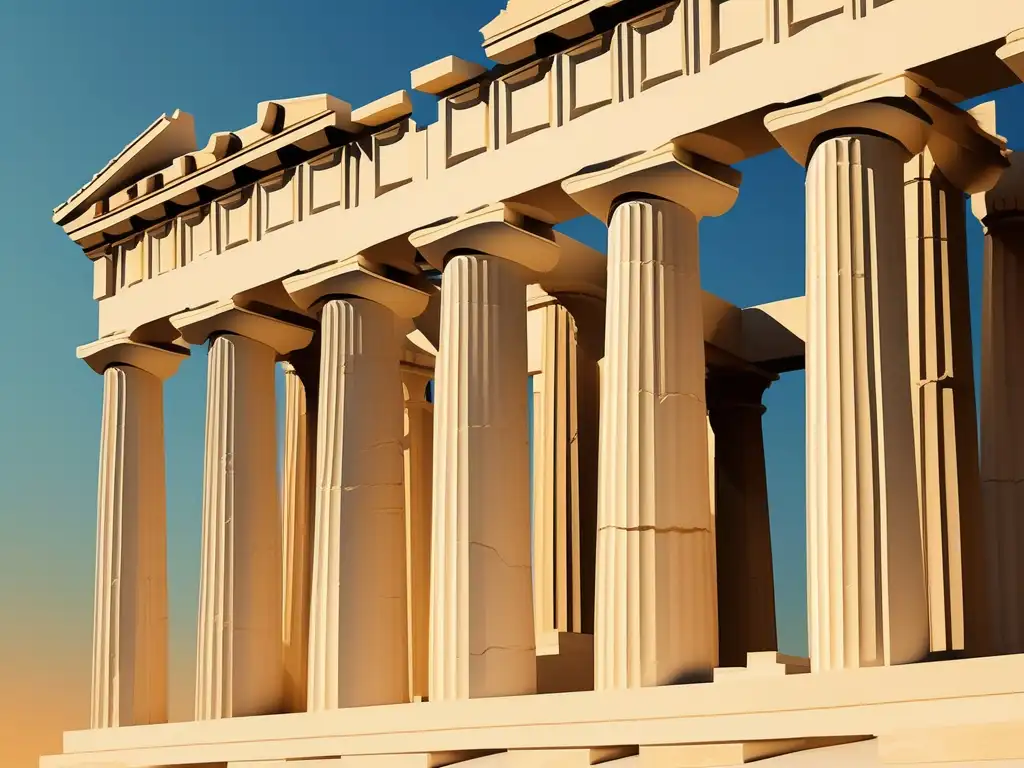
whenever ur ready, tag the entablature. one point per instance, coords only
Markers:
(487, 111)
(325, 187)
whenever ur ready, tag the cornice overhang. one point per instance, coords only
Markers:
(511, 36)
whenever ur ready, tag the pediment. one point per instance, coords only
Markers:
(163, 164)
(155, 148)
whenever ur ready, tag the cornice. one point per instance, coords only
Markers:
(511, 36)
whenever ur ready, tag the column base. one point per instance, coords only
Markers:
(565, 662)
(964, 703)
(765, 664)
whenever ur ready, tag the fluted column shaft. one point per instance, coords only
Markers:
(358, 634)
(944, 411)
(866, 597)
(481, 625)
(746, 584)
(655, 619)
(129, 662)
(419, 461)
(297, 523)
(239, 665)
(1002, 425)
(565, 466)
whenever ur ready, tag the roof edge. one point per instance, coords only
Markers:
(165, 139)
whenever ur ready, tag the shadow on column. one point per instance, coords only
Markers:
(746, 587)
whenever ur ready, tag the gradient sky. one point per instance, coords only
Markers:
(78, 82)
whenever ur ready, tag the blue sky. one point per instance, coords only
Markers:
(80, 80)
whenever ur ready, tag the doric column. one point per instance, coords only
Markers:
(358, 637)
(942, 389)
(655, 615)
(1001, 212)
(129, 660)
(239, 664)
(481, 535)
(570, 337)
(419, 462)
(301, 376)
(746, 585)
(866, 593)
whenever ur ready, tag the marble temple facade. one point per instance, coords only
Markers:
(405, 596)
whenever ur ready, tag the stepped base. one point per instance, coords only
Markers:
(927, 714)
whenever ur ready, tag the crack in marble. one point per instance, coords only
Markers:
(656, 529)
(505, 562)
(946, 378)
(360, 486)
(520, 648)
(663, 396)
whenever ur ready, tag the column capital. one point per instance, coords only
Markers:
(160, 361)
(964, 145)
(703, 186)
(414, 382)
(495, 230)
(1012, 54)
(586, 308)
(537, 296)
(730, 388)
(282, 335)
(908, 110)
(361, 278)
(885, 105)
(305, 363)
(1006, 199)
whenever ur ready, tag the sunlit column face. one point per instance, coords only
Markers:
(358, 622)
(129, 676)
(655, 617)
(860, 447)
(240, 581)
(481, 541)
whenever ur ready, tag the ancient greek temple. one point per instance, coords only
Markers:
(388, 603)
